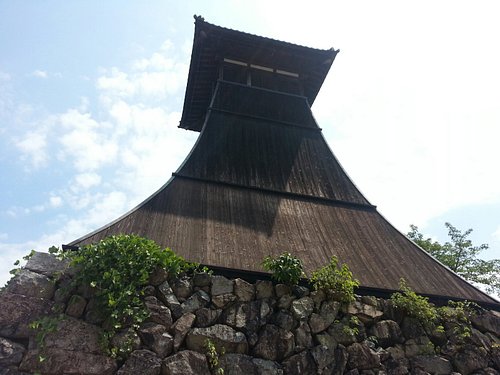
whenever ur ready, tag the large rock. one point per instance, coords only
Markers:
(367, 313)
(418, 346)
(202, 279)
(398, 366)
(186, 362)
(76, 306)
(487, 321)
(183, 288)
(342, 334)
(75, 335)
(302, 363)
(221, 335)
(318, 296)
(317, 323)
(222, 300)
(245, 316)
(432, 364)
(196, 301)
(221, 285)
(411, 328)
(326, 340)
(387, 333)
(329, 311)
(181, 328)
(479, 339)
(264, 289)
(323, 356)
(303, 337)
(361, 357)
(237, 364)
(167, 296)
(11, 353)
(300, 291)
(94, 313)
(286, 301)
(340, 363)
(283, 319)
(46, 264)
(31, 284)
(302, 308)
(495, 355)
(156, 338)
(469, 360)
(206, 317)
(243, 290)
(282, 289)
(142, 362)
(18, 311)
(60, 361)
(274, 343)
(158, 313)
(266, 367)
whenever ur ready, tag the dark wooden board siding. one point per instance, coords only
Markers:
(246, 151)
(236, 228)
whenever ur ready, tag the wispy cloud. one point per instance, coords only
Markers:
(4, 76)
(33, 146)
(44, 74)
(40, 74)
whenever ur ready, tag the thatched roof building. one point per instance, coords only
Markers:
(261, 179)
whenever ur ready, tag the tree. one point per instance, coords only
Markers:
(461, 256)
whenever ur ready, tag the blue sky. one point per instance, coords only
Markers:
(91, 94)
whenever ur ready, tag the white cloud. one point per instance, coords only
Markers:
(40, 74)
(117, 83)
(55, 201)
(87, 180)
(33, 147)
(150, 79)
(4, 76)
(85, 141)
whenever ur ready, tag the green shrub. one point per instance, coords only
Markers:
(336, 281)
(459, 314)
(213, 357)
(117, 268)
(286, 268)
(414, 305)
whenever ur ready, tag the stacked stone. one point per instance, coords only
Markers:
(263, 328)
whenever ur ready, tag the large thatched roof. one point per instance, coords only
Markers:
(261, 180)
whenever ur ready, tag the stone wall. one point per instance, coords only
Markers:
(264, 328)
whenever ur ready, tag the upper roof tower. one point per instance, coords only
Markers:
(224, 54)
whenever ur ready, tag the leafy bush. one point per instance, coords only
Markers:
(117, 268)
(459, 313)
(336, 281)
(286, 268)
(213, 357)
(414, 305)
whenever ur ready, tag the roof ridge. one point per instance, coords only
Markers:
(201, 20)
